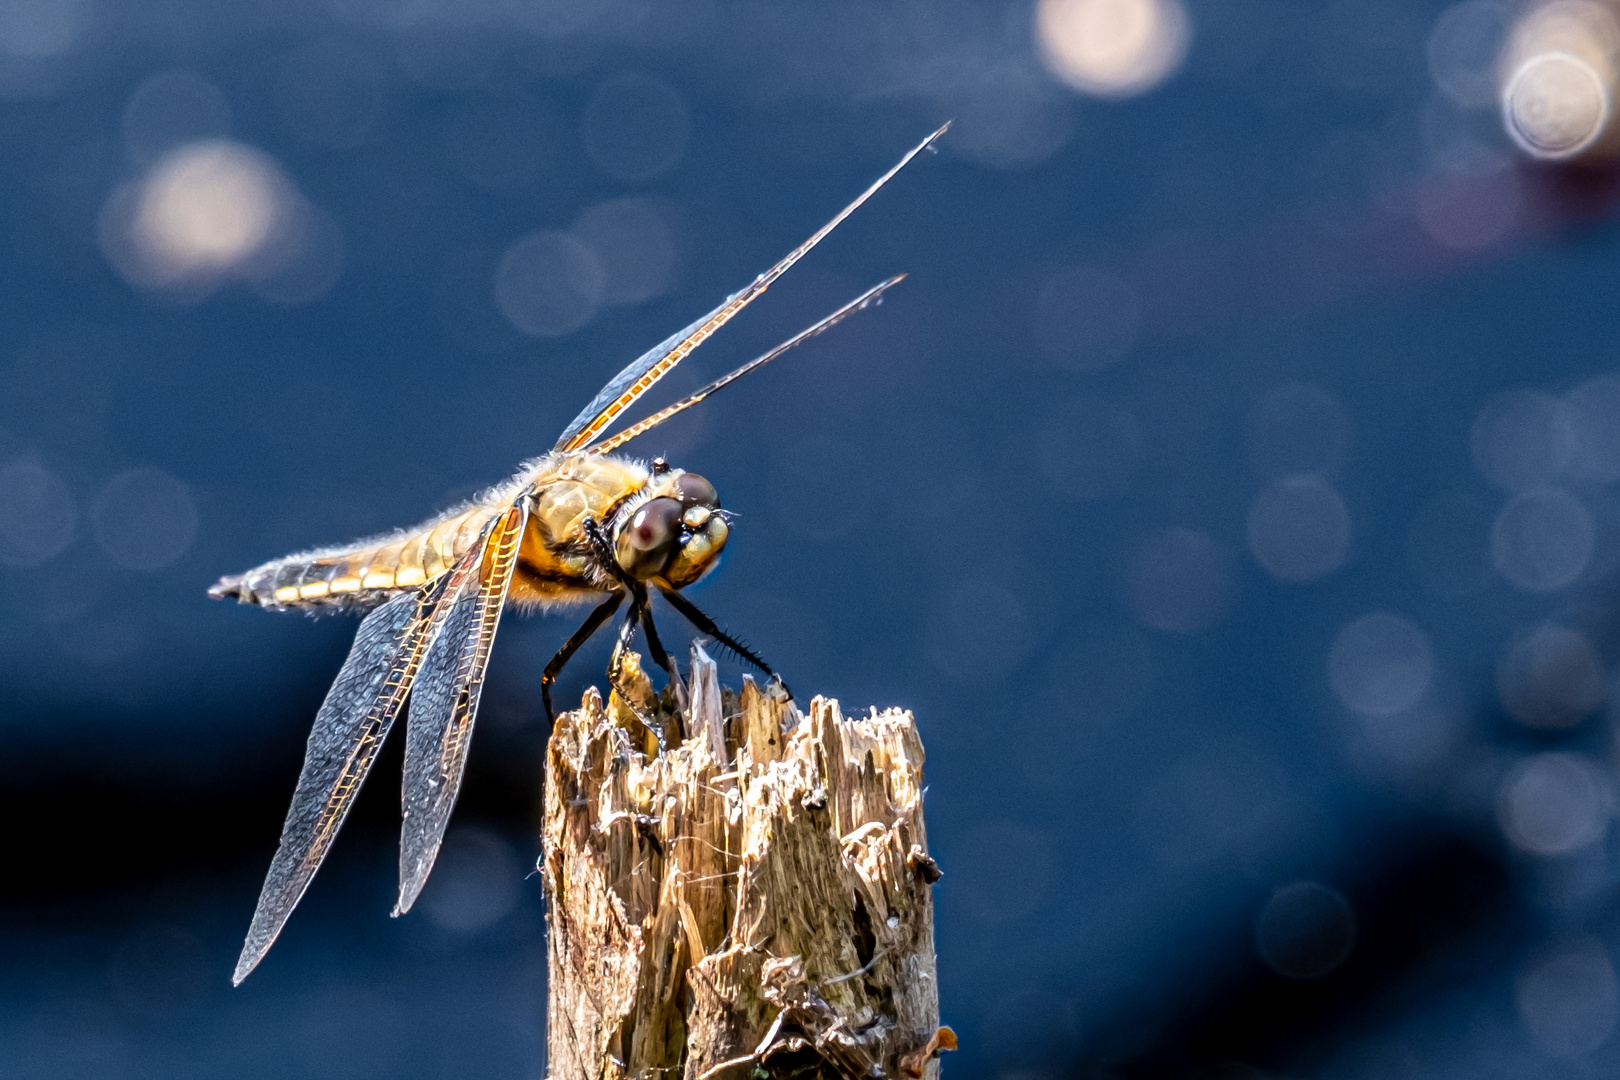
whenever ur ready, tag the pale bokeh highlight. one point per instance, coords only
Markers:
(1550, 677)
(1542, 540)
(207, 206)
(1555, 105)
(214, 210)
(1380, 664)
(1112, 48)
(1568, 998)
(1555, 803)
(1559, 71)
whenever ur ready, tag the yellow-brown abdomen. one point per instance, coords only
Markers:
(362, 572)
(553, 562)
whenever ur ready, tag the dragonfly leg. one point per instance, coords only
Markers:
(643, 606)
(662, 659)
(592, 624)
(615, 674)
(705, 625)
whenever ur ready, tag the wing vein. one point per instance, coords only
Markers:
(445, 704)
(349, 729)
(627, 386)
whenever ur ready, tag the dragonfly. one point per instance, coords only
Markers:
(580, 524)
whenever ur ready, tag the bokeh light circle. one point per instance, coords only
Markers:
(1555, 105)
(1009, 117)
(1473, 204)
(169, 110)
(1299, 529)
(1542, 540)
(215, 210)
(1462, 51)
(1380, 664)
(144, 519)
(1568, 998)
(1112, 48)
(1179, 580)
(1592, 430)
(206, 207)
(1305, 931)
(1550, 677)
(636, 127)
(158, 969)
(633, 242)
(1555, 803)
(42, 28)
(476, 882)
(1521, 439)
(38, 514)
(549, 284)
(307, 259)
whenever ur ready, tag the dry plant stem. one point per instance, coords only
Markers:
(754, 901)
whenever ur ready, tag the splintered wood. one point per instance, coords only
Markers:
(752, 902)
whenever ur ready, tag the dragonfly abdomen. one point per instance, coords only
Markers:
(362, 573)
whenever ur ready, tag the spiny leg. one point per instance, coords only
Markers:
(603, 612)
(615, 673)
(663, 660)
(706, 625)
(606, 560)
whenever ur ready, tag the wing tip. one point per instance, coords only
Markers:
(876, 294)
(245, 965)
(414, 868)
(410, 887)
(409, 890)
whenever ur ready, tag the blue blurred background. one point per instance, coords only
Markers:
(1230, 490)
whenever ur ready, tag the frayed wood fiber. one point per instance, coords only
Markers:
(752, 901)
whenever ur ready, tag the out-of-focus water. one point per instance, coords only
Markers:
(1231, 490)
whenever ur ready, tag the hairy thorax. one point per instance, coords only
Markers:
(555, 564)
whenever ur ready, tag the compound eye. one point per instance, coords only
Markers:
(646, 543)
(696, 491)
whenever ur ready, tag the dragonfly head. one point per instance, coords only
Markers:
(675, 536)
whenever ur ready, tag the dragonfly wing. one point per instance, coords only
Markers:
(349, 729)
(871, 296)
(628, 385)
(444, 704)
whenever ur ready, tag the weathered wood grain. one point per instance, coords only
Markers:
(753, 901)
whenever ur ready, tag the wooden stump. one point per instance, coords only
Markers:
(752, 902)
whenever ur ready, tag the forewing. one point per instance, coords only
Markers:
(628, 385)
(444, 704)
(349, 729)
(871, 296)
